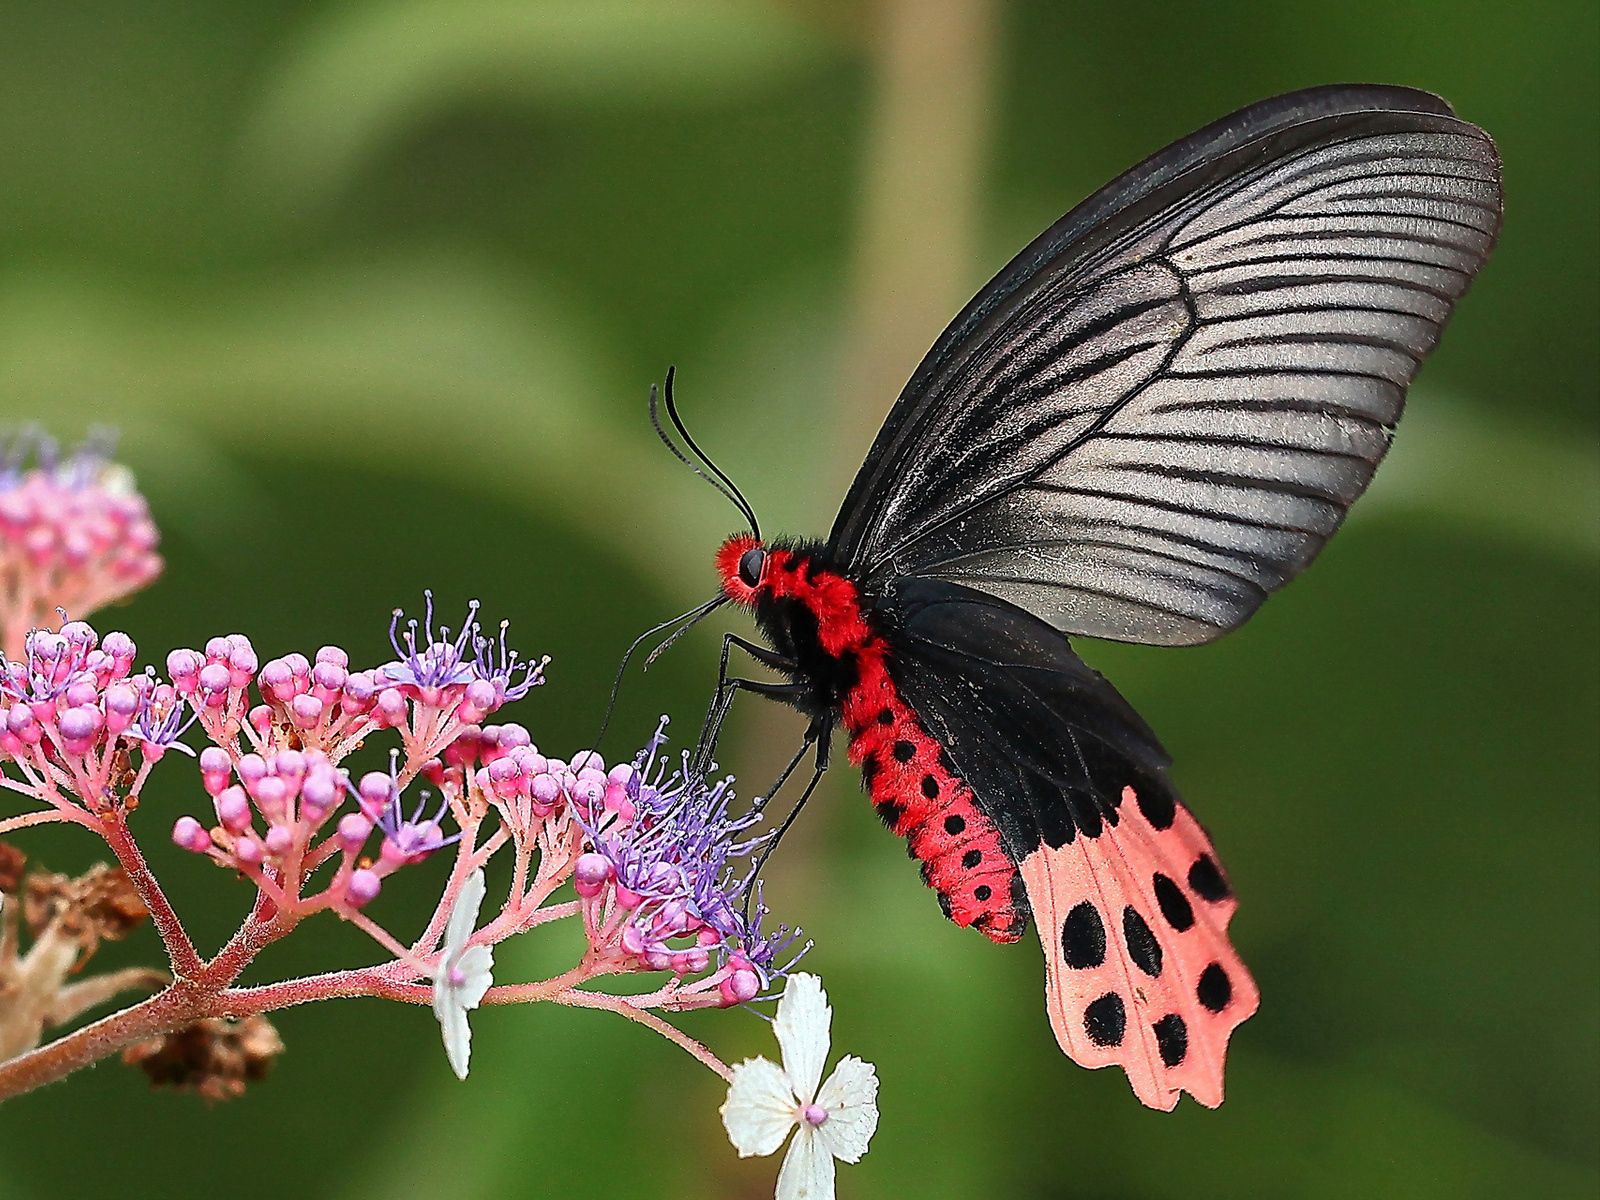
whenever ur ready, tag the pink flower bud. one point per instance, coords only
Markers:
(248, 851)
(306, 711)
(354, 830)
(277, 680)
(363, 887)
(333, 656)
(78, 728)
(739, 986)
(214, 678)
(190, 835)
(233, 809)
(590, 874)
(374, 792)
(252, 767)
(280, 840)
(319, 794)
(241, 666)
(513, 737)
(81, 693)
(330, 677)
(391, 708)
(261, 719)
(122, 702)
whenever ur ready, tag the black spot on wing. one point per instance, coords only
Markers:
(1157, 806)
(1172, 1039)
(930, 787)
(1175, 906)
(904, 751)
(1083, 937)
(1142, 945)
(1215, 989)
(1105, 1020)
(1205, 877)
(982, 892)
(955, 824)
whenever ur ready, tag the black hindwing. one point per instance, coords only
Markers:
(1046, 744)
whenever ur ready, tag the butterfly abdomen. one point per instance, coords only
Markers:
(916, 791)
(815, 614)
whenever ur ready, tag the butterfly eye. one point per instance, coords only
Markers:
(750, 564)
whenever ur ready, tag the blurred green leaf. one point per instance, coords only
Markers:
(364, 74)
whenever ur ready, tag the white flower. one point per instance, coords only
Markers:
(765, 1101)
(464, 975)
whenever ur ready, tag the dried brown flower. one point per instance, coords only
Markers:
(99, 905)
(215, 1058)
(12, 861)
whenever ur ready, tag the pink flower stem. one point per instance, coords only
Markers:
(42, 817)
(171, 1009)
(619, 1004)
(185, 959)
(188, 1000)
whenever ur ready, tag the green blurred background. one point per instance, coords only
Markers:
(375, 291)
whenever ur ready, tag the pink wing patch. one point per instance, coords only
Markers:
(1138, 967)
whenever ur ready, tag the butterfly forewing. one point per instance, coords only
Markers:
(1151, 420)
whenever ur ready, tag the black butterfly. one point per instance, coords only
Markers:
(1154, 416)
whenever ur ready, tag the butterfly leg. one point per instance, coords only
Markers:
(819, 736)
(727, 686)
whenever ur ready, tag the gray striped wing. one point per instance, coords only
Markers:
(1164, 408)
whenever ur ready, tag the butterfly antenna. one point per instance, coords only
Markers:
(727, 494)
(730, 489)
(691, 617)
(693, 620)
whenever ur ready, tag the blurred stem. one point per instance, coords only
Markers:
(920, 193)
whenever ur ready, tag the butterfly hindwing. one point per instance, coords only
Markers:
(1162, 409)
(1139, 970)
(1126, 891)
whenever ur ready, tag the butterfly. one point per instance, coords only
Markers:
(1155, 415)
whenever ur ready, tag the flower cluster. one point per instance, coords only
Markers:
(283, 804)
(73, 708)
(658, 858)
(668, 876)
(74, 533)
(660, 863)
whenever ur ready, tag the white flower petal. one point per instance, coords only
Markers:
(472, 965)
(760, 1108)
(457, 1037)
(807, 1171)
(850, 1098)
(476, 966)
(464, 916)
(802, 1028)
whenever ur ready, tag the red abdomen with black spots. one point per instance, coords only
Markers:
(916, 791)
(909, 776)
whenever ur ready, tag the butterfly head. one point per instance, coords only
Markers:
(743, 562)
